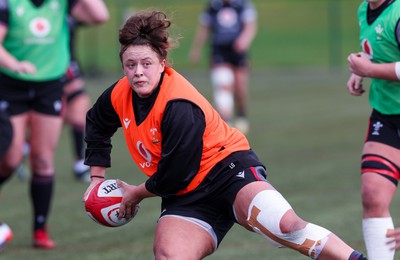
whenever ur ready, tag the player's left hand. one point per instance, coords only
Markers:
(130, 202)
(354, 85)
(241, 44)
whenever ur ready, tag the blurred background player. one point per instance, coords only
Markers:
(35, 55)
(6, 133)
(77, 103)
(232, 26)
(380, 41)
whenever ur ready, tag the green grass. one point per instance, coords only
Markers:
(304, 127)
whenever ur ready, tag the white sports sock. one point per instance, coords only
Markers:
(374, 230)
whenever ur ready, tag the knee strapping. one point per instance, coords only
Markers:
(264, 216)
(75, 94)
(381, 165)
(222, 79)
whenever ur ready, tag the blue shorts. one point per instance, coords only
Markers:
(214, 212)
(19, 96)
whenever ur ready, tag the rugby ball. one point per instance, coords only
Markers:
(102, 204)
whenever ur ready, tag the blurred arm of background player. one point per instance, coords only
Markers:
(243, 42)
(90, 11)
(200, 38)
(10, 62)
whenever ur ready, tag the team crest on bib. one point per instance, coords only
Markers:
(40, 27)
(227, 17)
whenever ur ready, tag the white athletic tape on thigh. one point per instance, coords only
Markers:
(264, 216)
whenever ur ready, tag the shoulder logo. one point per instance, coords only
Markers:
(127, 121)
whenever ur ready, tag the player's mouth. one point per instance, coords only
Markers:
(140, 83)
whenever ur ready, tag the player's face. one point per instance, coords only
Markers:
(143, 68)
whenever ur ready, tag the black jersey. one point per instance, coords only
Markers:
(226, 19)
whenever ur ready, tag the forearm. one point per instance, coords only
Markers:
(386, 71)
(200, 38)
(249, 33)
(361, 65)
(90, 11)
(143, 193)
(7, 60)
(97, 172)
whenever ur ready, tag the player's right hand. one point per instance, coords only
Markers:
(93, 183)
(25, 67)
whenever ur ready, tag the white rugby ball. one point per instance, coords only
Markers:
(103, 202)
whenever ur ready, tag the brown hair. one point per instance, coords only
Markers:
(146, 28)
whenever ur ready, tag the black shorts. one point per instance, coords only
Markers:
(384, 129)
(19, 96)
(226, 54)
(6, 133)
(216, 209)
